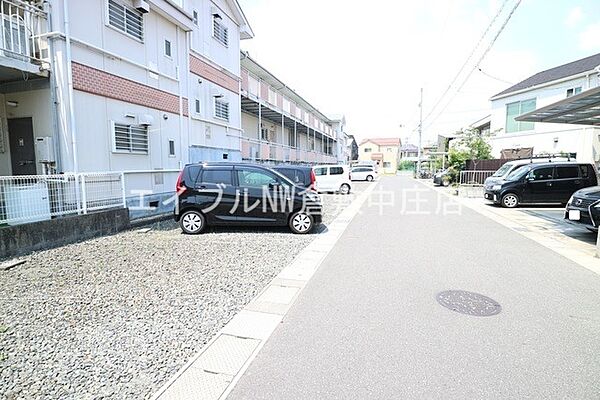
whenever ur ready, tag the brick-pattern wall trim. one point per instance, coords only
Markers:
(94, 81)
(208, 72)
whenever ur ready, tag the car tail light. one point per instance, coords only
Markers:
(313, 178)
(179, 187)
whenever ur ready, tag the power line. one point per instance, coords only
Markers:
(493, 77)
(483, 55)
(462, 68)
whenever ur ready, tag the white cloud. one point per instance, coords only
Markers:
(589, 39)
(574, 17)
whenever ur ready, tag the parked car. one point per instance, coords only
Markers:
(507, 168)
(363, 173)
(584, 208)
(242, 194)
(542, 183)
(332, 178)
(300, 175)
(442, 178)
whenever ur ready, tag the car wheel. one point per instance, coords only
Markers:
(301, 222)
(192, 222)
(345, 188)
(510, 200)
(369, 178)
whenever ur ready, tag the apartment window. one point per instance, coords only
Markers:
(367, 149)
(573, 91)
(220, 31)
(195, 14)
(387, 164)
(126, 19)
(197, 106)
(221, 109)
(515, 109)
(167, 48)
(131, 138)
(171, 148)
(389, 149)
(264, 132)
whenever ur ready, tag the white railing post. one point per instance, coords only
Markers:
(83, 194)
(77, 192)
(123, 192)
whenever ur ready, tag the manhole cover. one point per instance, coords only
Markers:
(468, 303)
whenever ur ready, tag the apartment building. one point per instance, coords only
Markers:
(511, 136)
(119, 85)
(278, 125)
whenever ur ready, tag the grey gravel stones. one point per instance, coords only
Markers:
(116, 317)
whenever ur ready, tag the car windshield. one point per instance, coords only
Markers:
(518, 173)
(503, 170)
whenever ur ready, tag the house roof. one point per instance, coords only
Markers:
(383, 141)
(409, 148)
(556, 73)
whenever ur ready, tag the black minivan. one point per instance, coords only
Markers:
(299, 174)
(542, 183)
(242, 194)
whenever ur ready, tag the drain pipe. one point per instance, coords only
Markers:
(53, 97)
(70, 86)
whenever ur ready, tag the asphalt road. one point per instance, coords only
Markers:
(368, 326)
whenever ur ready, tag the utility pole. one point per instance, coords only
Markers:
(420, 134)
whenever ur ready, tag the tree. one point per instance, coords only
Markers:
(471, 146)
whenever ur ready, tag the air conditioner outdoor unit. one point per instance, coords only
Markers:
(27, 203)
(141, 6)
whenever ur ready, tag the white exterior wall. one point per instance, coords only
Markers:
(203, 41)
(546, 137)
(34, 104)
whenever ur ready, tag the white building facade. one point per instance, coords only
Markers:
(120, 85)
(540, 90)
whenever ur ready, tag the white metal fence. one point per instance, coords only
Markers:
(32, 198)
(474, 178)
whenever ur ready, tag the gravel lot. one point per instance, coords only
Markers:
(116, 317)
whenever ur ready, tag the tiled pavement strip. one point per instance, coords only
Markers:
(533, 227)
(213, 372)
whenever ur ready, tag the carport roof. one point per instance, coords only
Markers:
(582, 109)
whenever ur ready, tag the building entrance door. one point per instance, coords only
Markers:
(22, 150)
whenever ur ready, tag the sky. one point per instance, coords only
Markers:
(369, 60)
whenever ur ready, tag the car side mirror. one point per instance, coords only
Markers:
(530, 179)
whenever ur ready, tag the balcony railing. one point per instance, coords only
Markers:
(22, 34)
(256, 150)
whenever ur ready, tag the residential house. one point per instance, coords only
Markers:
(278, 124)
(511, 136)
(483, 125)
(385, 152)
(409, 152)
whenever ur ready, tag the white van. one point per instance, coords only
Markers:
(332, 178)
